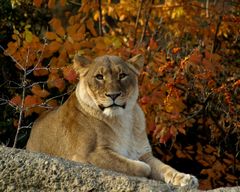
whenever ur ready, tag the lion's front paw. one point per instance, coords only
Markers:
(141, 169)
(184, 180)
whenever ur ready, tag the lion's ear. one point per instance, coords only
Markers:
(136, 63)
(80, 64)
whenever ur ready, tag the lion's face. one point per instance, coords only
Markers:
(108, 84)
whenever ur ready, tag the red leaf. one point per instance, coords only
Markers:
(153, 44)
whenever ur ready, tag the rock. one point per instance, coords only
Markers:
(21, 170)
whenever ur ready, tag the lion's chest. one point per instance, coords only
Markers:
(123, 140)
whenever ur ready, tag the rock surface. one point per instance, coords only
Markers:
(21, 170)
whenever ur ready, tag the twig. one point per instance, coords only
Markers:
(137, 21)
(21, 108)
(27, 127)
(215, 40)
(207, 6)
(3, 101)
(100, 17)
(147, 20)
(59, 95)
(75, 3)
(39, 60)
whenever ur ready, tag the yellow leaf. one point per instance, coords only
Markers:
(177, 12)
(28, 36)
(96, 16)
(116, 42)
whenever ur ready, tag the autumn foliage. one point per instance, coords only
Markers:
(189, 87)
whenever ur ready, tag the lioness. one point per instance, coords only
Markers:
(102, 124)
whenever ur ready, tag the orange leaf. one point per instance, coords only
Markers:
(236, 84)
(228, 162)
(69, 74)
(231, 178)
(16, 100)
(220, 167)
(37, 3)
(209, 172)
(55, 81)
(90, 26)
(181, 129)
(40, 72)
(30, 104)
(37, 90)
(189, 148)
(62, 3)
(69, 47)
(51, 4)
(54, 46)
(60, 84)
(12, 48)
(76, 32)
(32, 100)
(52, 103)
(57, 26)
(176, 50)
(209, 149)
(15, 122)
(51, 35)
(205, 184)
(180, 154)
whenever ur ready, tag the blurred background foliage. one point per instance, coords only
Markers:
(189, 87)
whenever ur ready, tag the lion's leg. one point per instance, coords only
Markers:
(109, 159)
(161, 171)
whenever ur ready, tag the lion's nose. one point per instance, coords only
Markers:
(113, 96)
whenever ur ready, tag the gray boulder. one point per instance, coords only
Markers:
(21, 170)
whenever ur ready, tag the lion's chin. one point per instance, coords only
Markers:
(113, 111)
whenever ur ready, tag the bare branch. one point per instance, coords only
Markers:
(100, 18)
(137, 21)
(146, 21)
(207, 7)
(39, 59)
(21, 108)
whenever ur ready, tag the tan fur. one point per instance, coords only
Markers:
(85, 129)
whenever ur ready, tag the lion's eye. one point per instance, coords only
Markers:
(122, 75)
(99, 77)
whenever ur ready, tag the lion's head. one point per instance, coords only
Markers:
(108, 83)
